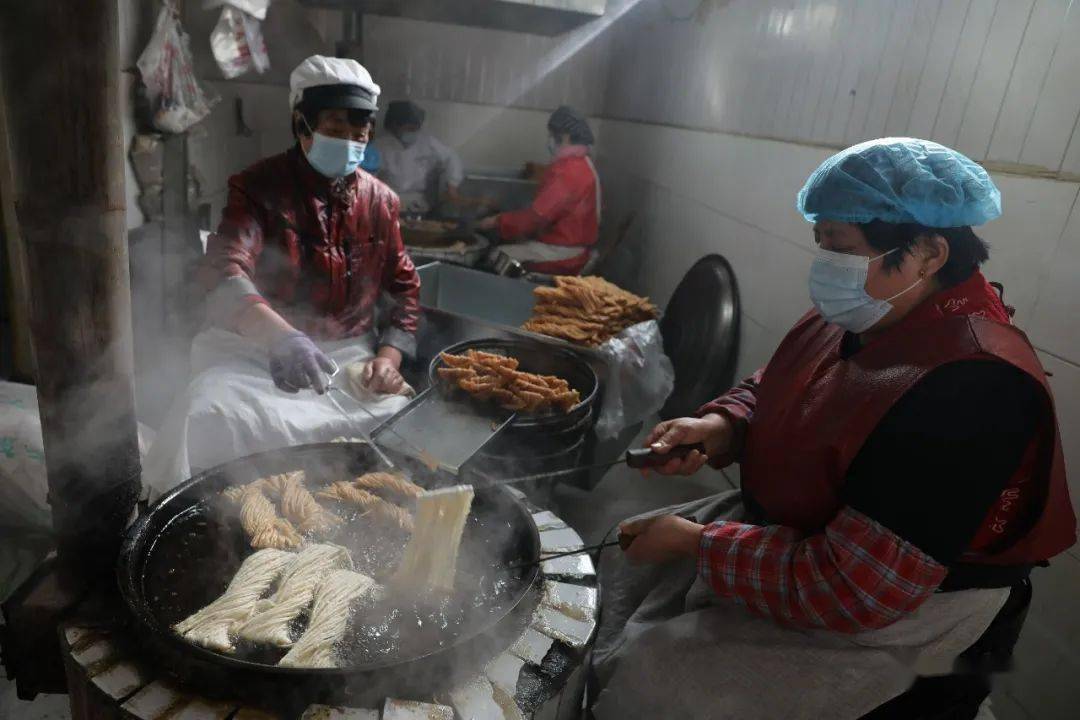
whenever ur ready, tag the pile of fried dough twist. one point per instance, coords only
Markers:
(496, 377)
(586, 310)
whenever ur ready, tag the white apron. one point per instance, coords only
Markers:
(669, 647)
(231, 409)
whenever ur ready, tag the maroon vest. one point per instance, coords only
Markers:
(815, 410)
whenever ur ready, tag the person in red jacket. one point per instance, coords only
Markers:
(901, 472)
(308, 242)
(557, 232)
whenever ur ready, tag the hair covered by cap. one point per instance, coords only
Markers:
(403, 112)
(320, 71)
(566, 120)
(900, 180)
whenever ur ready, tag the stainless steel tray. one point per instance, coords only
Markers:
(434, 429)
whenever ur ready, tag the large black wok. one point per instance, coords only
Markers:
(182, 553)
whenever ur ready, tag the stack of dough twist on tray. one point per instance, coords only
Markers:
(496, 377)
(586, 310)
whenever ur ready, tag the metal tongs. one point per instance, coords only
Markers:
(331, 388)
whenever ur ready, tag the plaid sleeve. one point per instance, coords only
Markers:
(737, 404)
(854, 576)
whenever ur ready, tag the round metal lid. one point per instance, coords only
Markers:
(700, 328)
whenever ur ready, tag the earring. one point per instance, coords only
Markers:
(922, 273)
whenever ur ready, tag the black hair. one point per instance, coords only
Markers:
(309, 111)
(567, 121)
(402, 113)
(967, 251)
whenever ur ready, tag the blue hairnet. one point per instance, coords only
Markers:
(900, 180)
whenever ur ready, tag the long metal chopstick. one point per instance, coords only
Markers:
(637, 458)
(579, 551)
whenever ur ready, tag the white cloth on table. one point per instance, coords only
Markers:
(420, 172)
(536, 251)
(231, 409)
(669, 647)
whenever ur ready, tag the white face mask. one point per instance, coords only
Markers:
(838, 290)
(334, 157)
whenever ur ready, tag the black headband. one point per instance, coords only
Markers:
(343, 95)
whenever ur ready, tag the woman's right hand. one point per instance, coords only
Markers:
(715, 431)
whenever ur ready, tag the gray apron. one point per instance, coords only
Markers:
(668, 647)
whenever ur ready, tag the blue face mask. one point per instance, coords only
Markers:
(838, 291)
(552, 146)
(333, 157)
(408, 138)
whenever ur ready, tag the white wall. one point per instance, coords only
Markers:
(993, 78)
(472, 82)
(436, 61)
(980, 75)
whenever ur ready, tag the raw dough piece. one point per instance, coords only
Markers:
(329, 619)
(270, 623)
(213, 626)
(431, 556)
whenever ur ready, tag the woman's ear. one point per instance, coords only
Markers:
(934, 250)
(300, 126)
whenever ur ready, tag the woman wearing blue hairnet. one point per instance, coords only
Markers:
(901, 473)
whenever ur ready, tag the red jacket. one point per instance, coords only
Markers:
(320, 254)
(799, 425)
(565, 211)
(814, 410)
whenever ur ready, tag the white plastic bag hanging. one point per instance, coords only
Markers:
(237, 42)
(255, 8)
(168, 72)
(639, 379)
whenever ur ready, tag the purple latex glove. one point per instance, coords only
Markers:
(296, 363)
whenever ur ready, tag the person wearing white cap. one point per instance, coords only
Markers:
(308, 242)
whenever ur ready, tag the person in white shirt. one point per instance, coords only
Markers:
(422, 170)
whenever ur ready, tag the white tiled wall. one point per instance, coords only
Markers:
(995, 78)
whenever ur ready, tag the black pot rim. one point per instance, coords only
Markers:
(140, 538)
